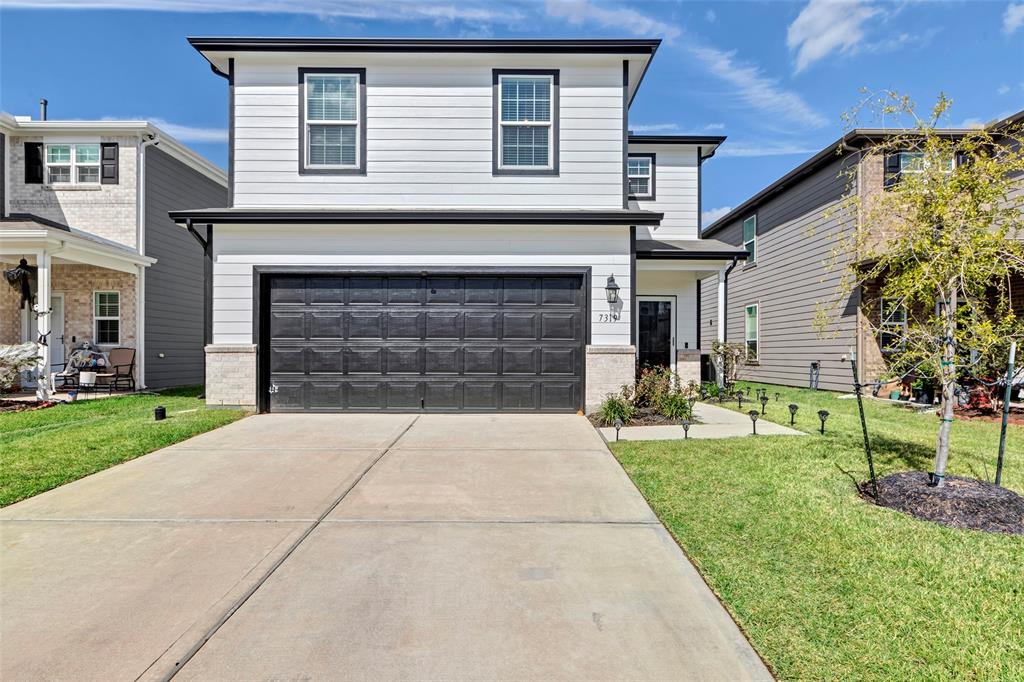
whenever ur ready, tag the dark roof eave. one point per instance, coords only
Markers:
(676, 139)
(278, 44)
(690, 255)
(391, 217)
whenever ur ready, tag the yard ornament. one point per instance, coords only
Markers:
(20, 278)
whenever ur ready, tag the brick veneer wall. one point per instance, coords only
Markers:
(77, 283)
(608, 368)
(231, 375)
(108, 211)
(10, 310)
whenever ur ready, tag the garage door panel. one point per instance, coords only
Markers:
(416, 342)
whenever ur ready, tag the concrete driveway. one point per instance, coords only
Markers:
(359, 547)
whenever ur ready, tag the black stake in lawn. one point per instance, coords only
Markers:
(1006, 413)
(793, 407)
(764, 401)
(618, 425)
(823, 415)
(753, 419)
(863, 425)
(739, 399)
(686, 428)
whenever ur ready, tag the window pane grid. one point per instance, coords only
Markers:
(107, 317)
(332, 120)
(525, 146)
(525, 99)
(750, 331)
(73, 164)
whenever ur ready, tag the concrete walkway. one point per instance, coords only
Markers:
(359, 547)
(713, 422)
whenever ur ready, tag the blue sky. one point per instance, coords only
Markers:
(774, 76)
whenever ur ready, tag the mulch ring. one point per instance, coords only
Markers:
(644, 416)
(960, 503)
(1016, 415)
(23, 405)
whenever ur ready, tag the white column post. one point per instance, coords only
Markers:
(723, 300)
(140, 325)
(42, 311)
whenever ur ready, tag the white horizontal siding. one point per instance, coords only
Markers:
(676, 191)
(237, 249)
(682, 285)
(429, 129)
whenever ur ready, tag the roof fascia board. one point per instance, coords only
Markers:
(389, 217)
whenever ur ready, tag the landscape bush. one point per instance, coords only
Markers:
(617, 406)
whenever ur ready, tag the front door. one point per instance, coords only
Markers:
(656, 331)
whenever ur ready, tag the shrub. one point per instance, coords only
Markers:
(676, 406)
(616, 407)
(710, 389)
(653, 385)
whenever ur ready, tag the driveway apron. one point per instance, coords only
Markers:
(360, 547)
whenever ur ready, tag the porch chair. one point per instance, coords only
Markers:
(120, 371)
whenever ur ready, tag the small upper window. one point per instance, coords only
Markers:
(750, 332)
(893, 327)
(107, 317)
(526, 128)
(333, 113)
(750, 237)
(640, 171)
(898, 164)
(73, 164)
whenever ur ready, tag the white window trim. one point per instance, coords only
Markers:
(72, 164)
(549, 124)
(307, 123)
(96, 317)
(885, 324)
(757, 331)
(649, 176)
(752, 240)
(952, 163)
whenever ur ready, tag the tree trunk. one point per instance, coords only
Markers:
(948, 377)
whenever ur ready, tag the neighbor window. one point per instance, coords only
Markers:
(750, 332)
(750, 237)
(333, 120)
(526, 127)
(73, 164)
(893, 327)
(898, 164)
(107, 317)
(640, 171)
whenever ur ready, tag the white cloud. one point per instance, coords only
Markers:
(1003, 90)
(396, 10)
(1013, 18)
(711, 16)
(826, 26)
(653, 127)
(710, 216)
(185, 133)
(757, 90)
(578, 12)
(750, 149)
(971, 123)
(715, 126)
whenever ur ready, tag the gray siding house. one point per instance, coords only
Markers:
(794, 233)
(85, 203)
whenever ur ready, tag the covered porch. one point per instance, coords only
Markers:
(81, 289)
(668, 295)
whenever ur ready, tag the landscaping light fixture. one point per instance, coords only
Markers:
(823, 415)
(611, 290)
(793, 407)
(753, 419)
(776, 397)
(686, 428)
(618, 425)
(159, 413)
(764, 401)
(739, 399)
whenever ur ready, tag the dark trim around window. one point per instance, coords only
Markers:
(654, 159)
(360, 169)
(496, 168)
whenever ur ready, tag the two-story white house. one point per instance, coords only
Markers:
(447, 225)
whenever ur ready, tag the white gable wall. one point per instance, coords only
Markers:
(429, 130)
(676, 188)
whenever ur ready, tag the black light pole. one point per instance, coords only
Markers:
(739, 399)
(764, 401)
(686, 428)
(753, 419)
(793, 407)
(823, 415)
(618, 425)
(863, 423)
(1006, 412)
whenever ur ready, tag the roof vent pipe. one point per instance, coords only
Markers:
(42, 109)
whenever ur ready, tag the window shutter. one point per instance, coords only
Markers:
(892, 170)
(33, 163)
(108, 163)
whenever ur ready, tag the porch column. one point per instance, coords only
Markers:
(42, 311)
(723, 301)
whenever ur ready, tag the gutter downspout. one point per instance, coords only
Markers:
(140, 240)
(723, 308)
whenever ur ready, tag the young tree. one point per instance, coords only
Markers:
(941, 243)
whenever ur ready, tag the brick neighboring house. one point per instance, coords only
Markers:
(85, 202)
(790, 230)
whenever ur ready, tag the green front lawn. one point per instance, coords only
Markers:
(826, 585)
(43, 449)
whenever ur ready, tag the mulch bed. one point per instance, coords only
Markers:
(645, 416)
(1015, 417)
(23, 405)
(960, 503)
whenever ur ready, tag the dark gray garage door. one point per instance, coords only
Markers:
(435, 343)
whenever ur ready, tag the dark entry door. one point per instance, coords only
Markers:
(654, 333)
(411, 342)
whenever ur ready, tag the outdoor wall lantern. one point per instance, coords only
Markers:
(823, 415)
(753, 419)
(793, 407)
(686, 428)
(618, 425)
(764, 401)
(611, 290)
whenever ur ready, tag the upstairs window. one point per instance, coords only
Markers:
(893, 328)
(640, 171)
(897, 164)
(73, 164)
(750, 336)
(526, 122)
(107, 318)
(333, 121)
(750, 237)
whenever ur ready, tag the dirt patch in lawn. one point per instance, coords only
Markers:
(645, 416)
(24, 405)
(1015, 417)
(960, 503)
